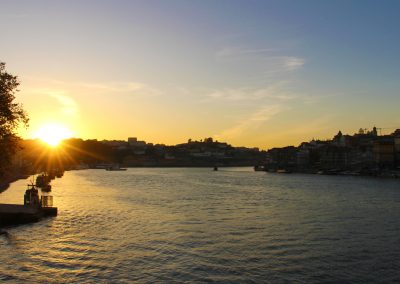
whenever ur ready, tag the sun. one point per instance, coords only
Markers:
(53, 134)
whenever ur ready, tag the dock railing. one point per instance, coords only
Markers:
(47, 201)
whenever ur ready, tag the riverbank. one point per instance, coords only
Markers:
(375, 173)
(10, 177)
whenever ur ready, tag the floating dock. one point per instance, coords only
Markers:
(15, 214)
(35, 206)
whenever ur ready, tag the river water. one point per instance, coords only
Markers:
(196, 225)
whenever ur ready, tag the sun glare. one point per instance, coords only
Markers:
(53, 134)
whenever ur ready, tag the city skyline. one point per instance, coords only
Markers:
(253, 73)
(53, 136)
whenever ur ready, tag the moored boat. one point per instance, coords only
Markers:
(115, 168)
(283, 171)
(34, 208)
(260, 168)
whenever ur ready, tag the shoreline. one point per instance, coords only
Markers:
(8, 179)
(392, 174)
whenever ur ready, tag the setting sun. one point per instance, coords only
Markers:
(53, 134)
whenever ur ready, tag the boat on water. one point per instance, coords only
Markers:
(35, 207)
(328, 172)
(283, 171)
(115, 168)
(260, 168)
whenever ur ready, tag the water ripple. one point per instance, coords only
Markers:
(196, 225)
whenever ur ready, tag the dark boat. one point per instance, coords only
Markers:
(284, 171)
(115, 168)
(259, 168)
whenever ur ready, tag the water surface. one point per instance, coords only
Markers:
(197, 225)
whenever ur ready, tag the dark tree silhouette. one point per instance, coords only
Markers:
(11, 116)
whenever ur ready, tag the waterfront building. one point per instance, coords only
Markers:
(282, 158)
(303, 156)
(116, 144)
(384, 152)
(396, 135)
(334, 157)
(133, 142)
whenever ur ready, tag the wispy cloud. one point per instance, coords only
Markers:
(235, 52)
(129, 87)
(281, 65)
(293, 63)
(275, 91)
(251, 122)
(121, 87)
(67, 104)
(271, 59)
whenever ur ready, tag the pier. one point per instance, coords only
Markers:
(34, 208)
(15, 214)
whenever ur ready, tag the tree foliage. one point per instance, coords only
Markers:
(11, 116)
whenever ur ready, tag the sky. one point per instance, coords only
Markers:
(251, 73)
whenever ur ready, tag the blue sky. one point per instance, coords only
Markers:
(253, 73)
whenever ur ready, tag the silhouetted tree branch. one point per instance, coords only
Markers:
(11, 116)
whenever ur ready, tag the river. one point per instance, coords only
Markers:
(161, 225)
